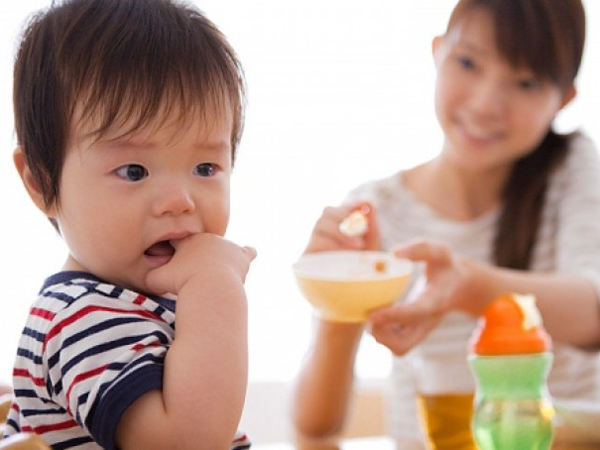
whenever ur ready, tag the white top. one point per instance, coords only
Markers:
(568, 241)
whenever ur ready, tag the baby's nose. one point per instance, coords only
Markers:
(173, 199)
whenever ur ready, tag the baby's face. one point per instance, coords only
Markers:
(123, 200)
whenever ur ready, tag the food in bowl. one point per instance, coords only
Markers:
(346, 285)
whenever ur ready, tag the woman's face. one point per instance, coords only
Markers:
(491, 113)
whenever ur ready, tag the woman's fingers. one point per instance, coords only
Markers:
(400, 339)
(372, 238)
(426, 251)
(407, 314)
(401, 327)
(327, 235)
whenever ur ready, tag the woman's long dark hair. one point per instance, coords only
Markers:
(546, 36)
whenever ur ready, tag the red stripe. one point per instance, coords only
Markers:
(140, 299)
(137, 347)
(25, 373)
(242, 438)
(43, 313)
(88, 310)
(48, 428)
(84, 376)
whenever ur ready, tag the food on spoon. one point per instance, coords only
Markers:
(355, 224)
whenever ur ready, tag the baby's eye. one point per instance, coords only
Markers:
(132, 172)
(205, 169)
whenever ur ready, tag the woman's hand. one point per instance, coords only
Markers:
(326, 235)
(452, 283)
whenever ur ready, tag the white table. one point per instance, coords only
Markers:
(372, 443)
(385, 443)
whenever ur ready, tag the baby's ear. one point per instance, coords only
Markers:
(436, 45)
(31, 185)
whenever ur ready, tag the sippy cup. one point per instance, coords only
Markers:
(510, 358)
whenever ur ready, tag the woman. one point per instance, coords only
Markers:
(508, 205)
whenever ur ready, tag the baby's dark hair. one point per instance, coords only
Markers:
(117, 63)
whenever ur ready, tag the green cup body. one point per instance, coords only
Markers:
(513, 409)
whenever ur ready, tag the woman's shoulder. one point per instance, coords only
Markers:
(379, 188)
(582, 151)
(579, 173)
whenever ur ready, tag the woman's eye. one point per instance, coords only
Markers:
(466, 62)
(529, 84)
(132, 172)
(205, 169)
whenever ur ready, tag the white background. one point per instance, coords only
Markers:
(340, 92)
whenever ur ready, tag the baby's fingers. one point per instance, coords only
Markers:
(161, 281)
(250, 252)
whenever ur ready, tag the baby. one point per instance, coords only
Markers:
(128, 116)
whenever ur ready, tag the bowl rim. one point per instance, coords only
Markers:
(408, 265)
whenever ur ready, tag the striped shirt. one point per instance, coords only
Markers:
(568, 241)
(88, 351)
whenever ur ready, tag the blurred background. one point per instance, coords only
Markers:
(340, 92)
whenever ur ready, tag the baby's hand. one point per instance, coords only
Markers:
(332, 232)
(201, 254)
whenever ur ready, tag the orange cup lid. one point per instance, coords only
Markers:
(511, 324)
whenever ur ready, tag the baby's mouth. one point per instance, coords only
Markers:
(162, 248)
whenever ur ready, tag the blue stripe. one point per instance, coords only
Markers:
(59, 296)
(134, 365)
(116, 292)
(166, 303)
(28, 354)
(57, 388)
(123, 371)
(49, 388)
(102, 326)
(34, 334)
(29, 393)
(94, 329)
(14, 425)
(83, 399)
(70, 443)
(105, 414)
(67, 278)
(90, 286)
(110, 345)
(159, 310)
(104, 347)
(42, 412)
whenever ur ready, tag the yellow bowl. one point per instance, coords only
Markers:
(345, 286)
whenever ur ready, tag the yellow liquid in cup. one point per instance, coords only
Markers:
(447, 420)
